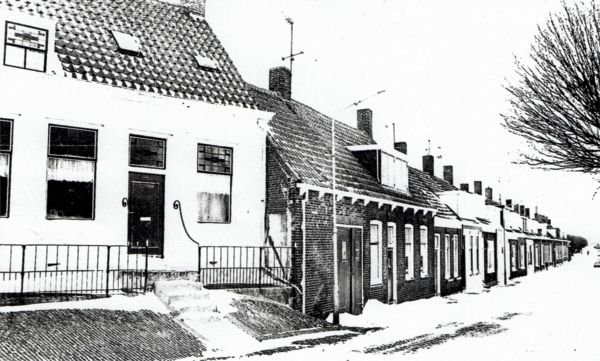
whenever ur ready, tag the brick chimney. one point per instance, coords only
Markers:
(364, 121)
(489, 193)
(280, 81)
(527, 212)
(477, 187)
(402, 147)
(449, 174)
(197, 7)
(509, 203)
(522, 210)
(428, 164)
(464, 187)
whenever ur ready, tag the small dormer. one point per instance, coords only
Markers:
(388, 166)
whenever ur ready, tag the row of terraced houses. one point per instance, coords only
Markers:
(132, 149)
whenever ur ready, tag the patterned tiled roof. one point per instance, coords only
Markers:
(170, 38)
(302, 137)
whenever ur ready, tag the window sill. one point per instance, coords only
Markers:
(376, 284)
(409, 279)
(68, 219)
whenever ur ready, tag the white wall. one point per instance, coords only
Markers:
(36, 100)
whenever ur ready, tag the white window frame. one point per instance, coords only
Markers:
(392, 236)
(522, 264)
(25, 48)
(394, 172)
(447, 257)
(490, 256)
(424, 251)
(409, 251)
(376, 252)
(455, 256)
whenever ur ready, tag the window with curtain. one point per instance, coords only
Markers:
(391, 235)
(375, 251)
(513, 257)
(71, 173)
(455, 260)
(447, 258)
(409, 252)
(5, 159)
(424, 252)
(215, 164)
(522, 256)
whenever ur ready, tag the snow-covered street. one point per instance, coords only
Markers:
(550, 315)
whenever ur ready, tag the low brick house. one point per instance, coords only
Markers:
(385, 245)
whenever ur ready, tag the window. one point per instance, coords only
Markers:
(447, 258)
(391, 235)
(529, 260)
(5, 158)
(206, 63)
(375, 252)
(471, 255)
(522, 256)
(147, 152)
(71, 173)
(213, 159)
(128, 44)
(455, 260)
(409, 252)
(513, 257)
(477, 255)
(215, 164)
(424, 253)
(394, 172)
(491, 266)
(25, 47)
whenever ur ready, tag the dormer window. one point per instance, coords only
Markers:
(25, 47)
(394, 172)
(127, 43)
(387, 165)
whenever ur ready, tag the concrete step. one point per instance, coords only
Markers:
(186, 305)
(165, 289)
(184, 296)
(199, 317)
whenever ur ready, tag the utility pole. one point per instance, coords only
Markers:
(292, 56)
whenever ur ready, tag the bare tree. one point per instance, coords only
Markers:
(555, 101)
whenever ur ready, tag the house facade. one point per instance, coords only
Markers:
(110, 114)
(384, 224)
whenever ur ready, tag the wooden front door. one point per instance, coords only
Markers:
(145, 224)
(390, 274)
(350, 269)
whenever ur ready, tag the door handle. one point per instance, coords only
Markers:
(124, 202)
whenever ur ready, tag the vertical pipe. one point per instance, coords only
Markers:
(336, 291)
(146, 270)
(260, 254)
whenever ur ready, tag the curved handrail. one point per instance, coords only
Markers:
(177, 206)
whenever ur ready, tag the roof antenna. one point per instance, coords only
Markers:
(292, 56)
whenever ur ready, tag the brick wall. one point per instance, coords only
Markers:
(319, 249)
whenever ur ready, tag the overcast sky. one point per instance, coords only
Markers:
(443, 65)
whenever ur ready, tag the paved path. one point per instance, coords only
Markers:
(93, 335)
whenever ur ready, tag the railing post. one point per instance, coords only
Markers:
(107, 269)
(199, 263)
(22, 271)
(146, 269)
(260, 259)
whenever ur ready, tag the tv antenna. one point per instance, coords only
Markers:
(429, 149)
(364, 99)
(292, 55)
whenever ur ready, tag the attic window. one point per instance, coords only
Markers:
(127, 43)
(206, 63)
(25, 47)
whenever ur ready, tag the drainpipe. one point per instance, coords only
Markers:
(303, 256)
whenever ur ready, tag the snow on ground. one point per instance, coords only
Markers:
(550, 315)
(118, 302)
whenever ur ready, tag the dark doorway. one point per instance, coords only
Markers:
(350, 269)
(146, 213)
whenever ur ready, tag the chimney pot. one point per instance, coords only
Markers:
(364, 121)
(449, 174)
(509, 203)
(489, 193)
(477, 187)
(197, 7)
(464, 187)
(280, 81)
(428, 164)
(402, 147)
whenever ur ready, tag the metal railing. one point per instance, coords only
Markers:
(67, 269)
(244, 266)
